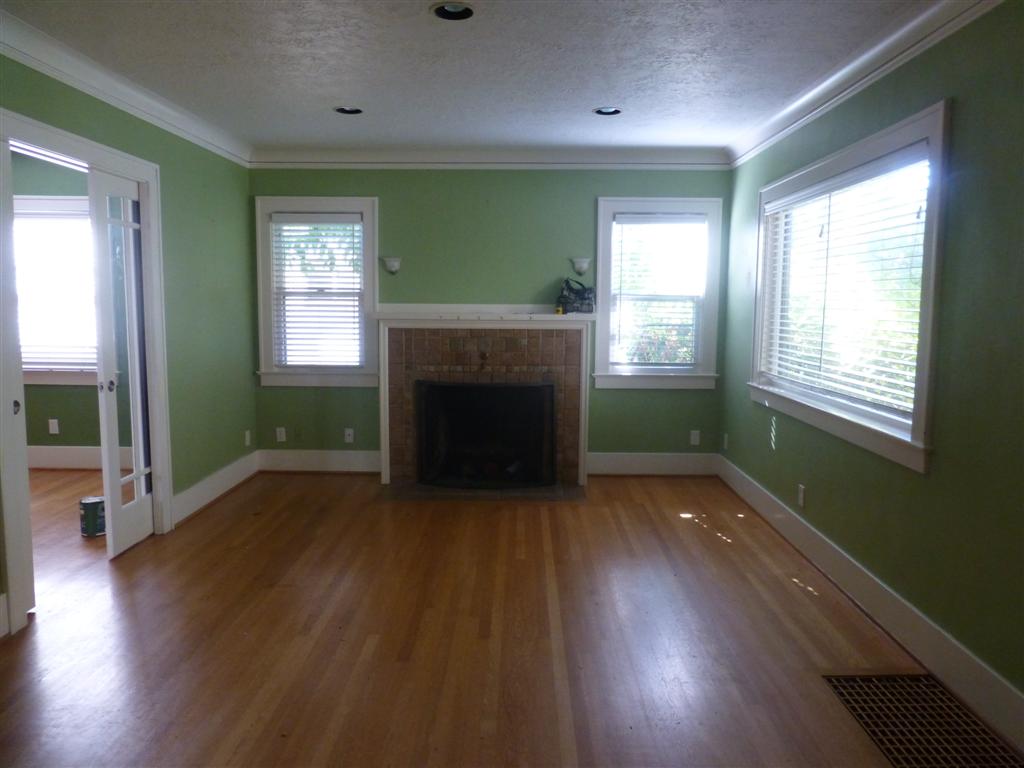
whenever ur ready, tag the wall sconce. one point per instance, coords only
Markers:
(580, 266)
(392, 264)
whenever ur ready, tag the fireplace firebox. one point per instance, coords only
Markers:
(487, 436)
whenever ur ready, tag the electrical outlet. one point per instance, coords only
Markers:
(694, 437)
(725, 441)
(800, 495)
(248, 438)
(280, 434)
(54, 426)
(350, 435)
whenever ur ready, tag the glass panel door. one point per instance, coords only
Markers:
(121, 361)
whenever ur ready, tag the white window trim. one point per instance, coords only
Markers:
(364, 375)
(42, 206)
(906, 442)
(702, 375)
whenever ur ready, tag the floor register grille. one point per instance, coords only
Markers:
(918, 724)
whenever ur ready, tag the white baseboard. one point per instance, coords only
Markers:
(319, 461)
(71, 457)
(652, 463)
(5, 626)
(191, 500)
(970, 678)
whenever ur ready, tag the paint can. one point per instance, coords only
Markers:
(90, 512)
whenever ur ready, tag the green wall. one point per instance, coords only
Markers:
(950, 541)
(37, 177)
(490, 237)
(209, 273)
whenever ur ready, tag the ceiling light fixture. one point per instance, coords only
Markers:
(348, 110)
(607, 111)
(452, 11)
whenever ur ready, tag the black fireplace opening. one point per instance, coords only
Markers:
(485, 435)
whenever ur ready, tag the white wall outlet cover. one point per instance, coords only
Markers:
(248, 437)
(350, 435)
(694, 437)
(280, 434)
(54, 426)
(800, 495)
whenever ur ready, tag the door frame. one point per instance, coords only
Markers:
(17, 554)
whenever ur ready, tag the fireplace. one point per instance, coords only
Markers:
(464, 353)
(485, 435)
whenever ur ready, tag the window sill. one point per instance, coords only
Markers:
(359, 378)
(60, 378)
(884, 440)
(655, 380)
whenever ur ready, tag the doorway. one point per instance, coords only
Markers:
(66, 340)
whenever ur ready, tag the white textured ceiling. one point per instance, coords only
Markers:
(521, 74)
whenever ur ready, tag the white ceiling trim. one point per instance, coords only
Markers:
(30, 46)
(35, 49)
(912, 39)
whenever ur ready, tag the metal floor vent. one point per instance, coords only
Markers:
(918, 724)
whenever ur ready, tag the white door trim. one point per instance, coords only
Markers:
(13, 472)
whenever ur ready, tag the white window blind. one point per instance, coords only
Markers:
(842, 287)
(659, 265)
(318, 289)
(53, 258)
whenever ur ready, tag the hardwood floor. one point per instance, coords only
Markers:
(320, 620)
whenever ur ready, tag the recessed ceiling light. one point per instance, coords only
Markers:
(348, 110)
(452, 11)
(607, 111)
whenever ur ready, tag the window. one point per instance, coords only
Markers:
(845, 290)
(658, 267)
(53, 257)
(317, 274)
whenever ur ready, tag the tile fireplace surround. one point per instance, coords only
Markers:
(480, 355)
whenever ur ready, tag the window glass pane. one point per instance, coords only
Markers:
(56, 292)
(843, 281)
(318, 289)
(658, 278)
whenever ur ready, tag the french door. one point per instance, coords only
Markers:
(121, 360)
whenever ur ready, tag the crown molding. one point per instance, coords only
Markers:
(913, 38)
(540, 158)
(33, 48)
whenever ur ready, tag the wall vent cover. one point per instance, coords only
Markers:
(918, 724)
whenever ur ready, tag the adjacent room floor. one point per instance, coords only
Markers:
(321, 620)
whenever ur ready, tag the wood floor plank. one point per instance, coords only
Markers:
(307, 620)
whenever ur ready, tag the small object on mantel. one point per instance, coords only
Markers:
(574, 297)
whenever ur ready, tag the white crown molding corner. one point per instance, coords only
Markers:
(33, 48)
(978, 685)
(606, 463)
(540, 158)
(913, 38)
(213, 486)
